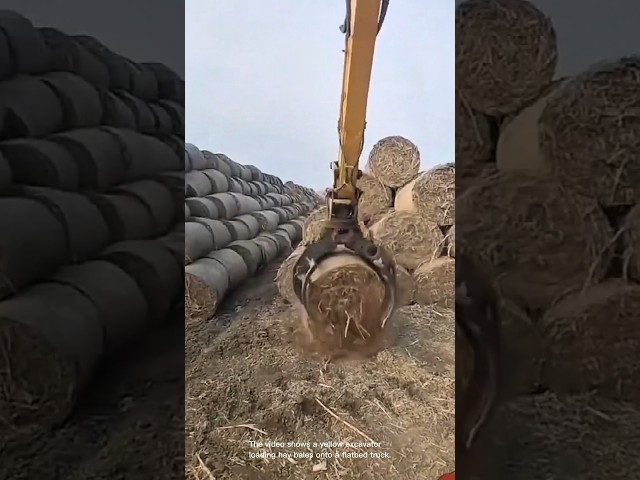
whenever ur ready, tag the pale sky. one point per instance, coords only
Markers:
(264, 82)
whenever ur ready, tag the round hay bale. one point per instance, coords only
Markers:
(205, 284)
(408, 237)
(212, 161)
(431, 195)
(127, 217)
(314, 226)
(592, 134)
(283, 240)
(405, 285)
(251, 222)
(198, 241)
(519, 142)
(218, 230)
(121, 307)
(395, 161)
(435, 282)
(196, 158)
(270, 248)
(250, 253)
(235, 185)
(544, 436)
(631, 244)
(202, 207)
(51, 339)
(222, 165)
(233, 264)
(157, 198)
(219, 183)
(496, 74)
(592, 341)
(290, 230)
(475, 138)
(256, 174)
(227, 205)
(375, 199)
(239, 230)
(268, 220)
(519, 226)
(284, 277)
(450, 242)
(342, 319)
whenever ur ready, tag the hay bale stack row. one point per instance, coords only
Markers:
(91, 227)
(407, 212)
(238, 220)
(551, 206)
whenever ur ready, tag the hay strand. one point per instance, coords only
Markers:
(519, 226)
(631, 244)
(395, 161)
(495, 73)
(405, 286)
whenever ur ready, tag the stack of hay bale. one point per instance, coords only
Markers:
(409, 213)
(550, 209)
(238, 220)
(90, 212)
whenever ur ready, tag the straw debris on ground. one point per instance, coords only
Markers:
(247, 382)
(519, 226)
(498, 75)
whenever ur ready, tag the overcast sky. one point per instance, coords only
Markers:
(264, 82)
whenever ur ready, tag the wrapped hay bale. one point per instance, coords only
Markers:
(593, 340)
(435, 282)
(203, 235)
(519, 228)
(250, 253)
(405, 286)
(543, 436)
(496, 74)
(432, 195)
(591, 131)
(631, 244)
(51, 338)
(233, 263)
(314, 226)
(519, 142)
(408, 237)
(343, 316)
(270, 247)
(284, 277)
(205, 284)
(395, 161)
(475, 138)
(376, 198)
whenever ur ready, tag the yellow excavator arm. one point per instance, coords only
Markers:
(342, 234)
(362, 24)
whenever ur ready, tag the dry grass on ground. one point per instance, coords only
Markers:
(246, 382)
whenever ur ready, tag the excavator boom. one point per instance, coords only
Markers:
(361, 28)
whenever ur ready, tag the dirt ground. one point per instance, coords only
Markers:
(246, 382)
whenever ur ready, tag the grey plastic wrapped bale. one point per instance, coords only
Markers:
(29, 109)
(41, 163)
(270, 247)
(268, 220)
(204, 235)
(117, 113)
(98, 157)
(284, 241)
(37, 246)
(250, 253)
(6, 174)
(85, 229)
(28, 52)
(153, 267)
(187, 211)
(81, 103)
(203, 207)
(121, 307)
(196, 159)
(145, 120)
(53, 338)
(128, 217)
(208, 280)
(146, 155)
(229, 205)
(290, 230)
(242, 229)
(158, 200)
